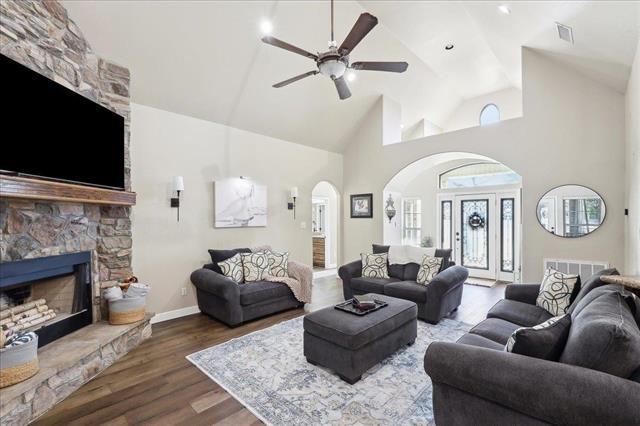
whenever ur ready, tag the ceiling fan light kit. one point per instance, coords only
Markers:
(335, 62)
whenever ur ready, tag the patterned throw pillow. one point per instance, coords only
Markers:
(255, 266)
(555, 291)
(278, 264)
(232, 268)
(429, 268)
(544, 341)
(374, 265)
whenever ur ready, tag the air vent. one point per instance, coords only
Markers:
(565, 33)
(584, 268)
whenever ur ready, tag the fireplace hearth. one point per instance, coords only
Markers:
(50, 296)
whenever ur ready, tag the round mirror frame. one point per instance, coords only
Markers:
(566, 236)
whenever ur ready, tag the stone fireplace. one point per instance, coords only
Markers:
(85, 233)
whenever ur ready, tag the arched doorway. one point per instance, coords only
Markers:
(465, 202)
(325, 227)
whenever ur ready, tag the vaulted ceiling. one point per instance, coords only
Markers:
(205, 59)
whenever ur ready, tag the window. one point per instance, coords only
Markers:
(581, 215)
(479, 174)
(411, 221)
(489, 114)
(446, 225)
(507, 230)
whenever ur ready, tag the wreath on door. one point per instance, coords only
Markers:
(476, 221)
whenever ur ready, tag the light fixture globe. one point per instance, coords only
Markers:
(332, 68)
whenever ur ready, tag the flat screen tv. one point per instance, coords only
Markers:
(49, 131)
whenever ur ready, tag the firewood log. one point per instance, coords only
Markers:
(21, 308)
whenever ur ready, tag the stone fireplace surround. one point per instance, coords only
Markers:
(40, 35)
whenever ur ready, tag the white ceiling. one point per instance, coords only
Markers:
(205, 59)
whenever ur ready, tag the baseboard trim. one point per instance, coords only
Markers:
(169, 315)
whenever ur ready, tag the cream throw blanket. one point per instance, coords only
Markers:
(401, 255)
(300, 279)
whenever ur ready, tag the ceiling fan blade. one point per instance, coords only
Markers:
(361, 28)
(290, 47)
(343, 89)
(380, 66)
(296, 78)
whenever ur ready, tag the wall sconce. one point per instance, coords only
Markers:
(294, 195)
(178, 186)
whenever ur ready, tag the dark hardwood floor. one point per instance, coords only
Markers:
(155, 384)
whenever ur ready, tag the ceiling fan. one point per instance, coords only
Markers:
(335, 62)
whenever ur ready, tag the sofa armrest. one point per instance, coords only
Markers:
(550, 391)
(525, 293)
(216, 284)
(446, 280)
(346, 273)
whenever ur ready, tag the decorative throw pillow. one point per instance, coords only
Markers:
(232, 268)
(544, 341)
(255, 266)
(278, 264)
(374, 265)
(556, 290)
(429, 268)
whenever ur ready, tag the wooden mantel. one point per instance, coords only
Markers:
(37, 189)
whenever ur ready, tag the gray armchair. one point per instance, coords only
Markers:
(232, 303)
(435, 300)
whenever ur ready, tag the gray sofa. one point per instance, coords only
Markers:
(435, 300)
(476, 382)
(233, 304)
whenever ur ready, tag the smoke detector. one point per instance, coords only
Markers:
(565, 32)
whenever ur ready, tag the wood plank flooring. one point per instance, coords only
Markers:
(155, 385)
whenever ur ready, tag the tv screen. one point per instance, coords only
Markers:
(52, 132)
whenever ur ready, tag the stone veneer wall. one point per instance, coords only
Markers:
(40, 35)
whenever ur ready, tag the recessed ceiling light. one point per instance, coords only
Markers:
(449, 46)
(266, 27)
(402, 126)
(351, 76)
(503, 8)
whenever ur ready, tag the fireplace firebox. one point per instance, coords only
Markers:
(50, 295)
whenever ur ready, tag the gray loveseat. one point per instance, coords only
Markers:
(435, 300)
(476, 382)
(232, 303)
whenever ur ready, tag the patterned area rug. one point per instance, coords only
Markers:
(268, 373)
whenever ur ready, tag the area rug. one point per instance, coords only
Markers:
(267, 372)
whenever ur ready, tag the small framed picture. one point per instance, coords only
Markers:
(362, 206)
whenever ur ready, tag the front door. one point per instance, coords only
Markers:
(475, 234)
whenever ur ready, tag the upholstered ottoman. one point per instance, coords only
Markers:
(350, 344)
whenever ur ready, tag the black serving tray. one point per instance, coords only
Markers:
(348, 307)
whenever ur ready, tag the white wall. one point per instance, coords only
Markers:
(165, 144)
(327, 191)
(572, 131)
(467, 114)
(632, 224)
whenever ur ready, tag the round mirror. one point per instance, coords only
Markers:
(571, 211)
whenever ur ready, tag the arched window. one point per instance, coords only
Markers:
(489, 114)
(478, 174)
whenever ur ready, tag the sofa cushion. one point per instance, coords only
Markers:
(557, 291)
(408, 290)
(255, 266)
(232, 268)
(260, 291)
(482, 342)
(519, 313)
(495, 329)
(604, 335)
(429, 268)
(220, 255)
(371, 285)
(544, 341)
(591, 283)
(352, 332)
(374, 265)
(410, 275)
